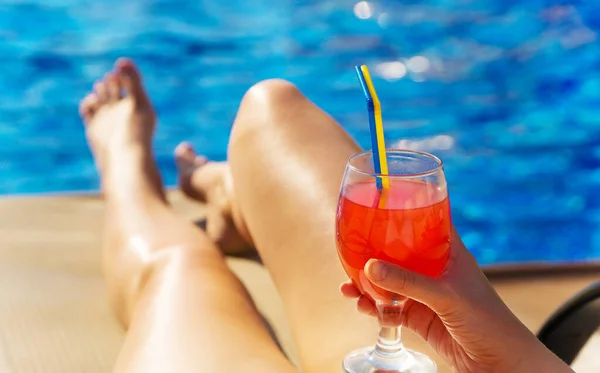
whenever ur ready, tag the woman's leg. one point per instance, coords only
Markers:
(211, 184)
(184, 310)
(287, 158)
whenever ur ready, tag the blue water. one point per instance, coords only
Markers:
(507, 92)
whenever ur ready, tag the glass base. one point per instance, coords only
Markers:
(365, 360)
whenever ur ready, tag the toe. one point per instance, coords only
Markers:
(88, 107)
(185, 155)
(187, 163)
(200, 160)
(101, 91)
(113, 87)
(131, 79)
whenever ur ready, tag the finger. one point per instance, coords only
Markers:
(423, 321)
(366, 306)
(426, 290)
(348, 290)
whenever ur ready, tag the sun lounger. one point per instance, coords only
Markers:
(54, 317)
(568, 330)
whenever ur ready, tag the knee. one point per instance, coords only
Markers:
(144, 278)
(263, 105)
(271, 93)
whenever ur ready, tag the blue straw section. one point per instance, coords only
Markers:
(371, 110)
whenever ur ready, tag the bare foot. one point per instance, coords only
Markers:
(120, 122)
(187, 162)
(210, 183)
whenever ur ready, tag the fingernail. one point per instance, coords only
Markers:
(377, 270)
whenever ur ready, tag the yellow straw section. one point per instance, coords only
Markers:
(385, 182)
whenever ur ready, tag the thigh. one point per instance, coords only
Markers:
(287, 160)
(193, 315)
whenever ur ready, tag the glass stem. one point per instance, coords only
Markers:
(389, 343)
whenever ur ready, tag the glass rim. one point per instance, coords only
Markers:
(437, 168)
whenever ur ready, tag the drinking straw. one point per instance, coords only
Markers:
(376, 128)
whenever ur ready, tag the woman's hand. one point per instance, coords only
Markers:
(461, 316)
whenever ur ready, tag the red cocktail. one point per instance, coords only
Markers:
(403, 218)
(412, 230)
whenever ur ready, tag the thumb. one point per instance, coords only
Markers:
(429, 291)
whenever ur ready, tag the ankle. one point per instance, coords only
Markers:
(131, 152)
(131, 173)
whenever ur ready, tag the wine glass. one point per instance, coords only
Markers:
(402, 217)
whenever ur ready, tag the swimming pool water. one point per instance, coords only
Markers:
(506, 92)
